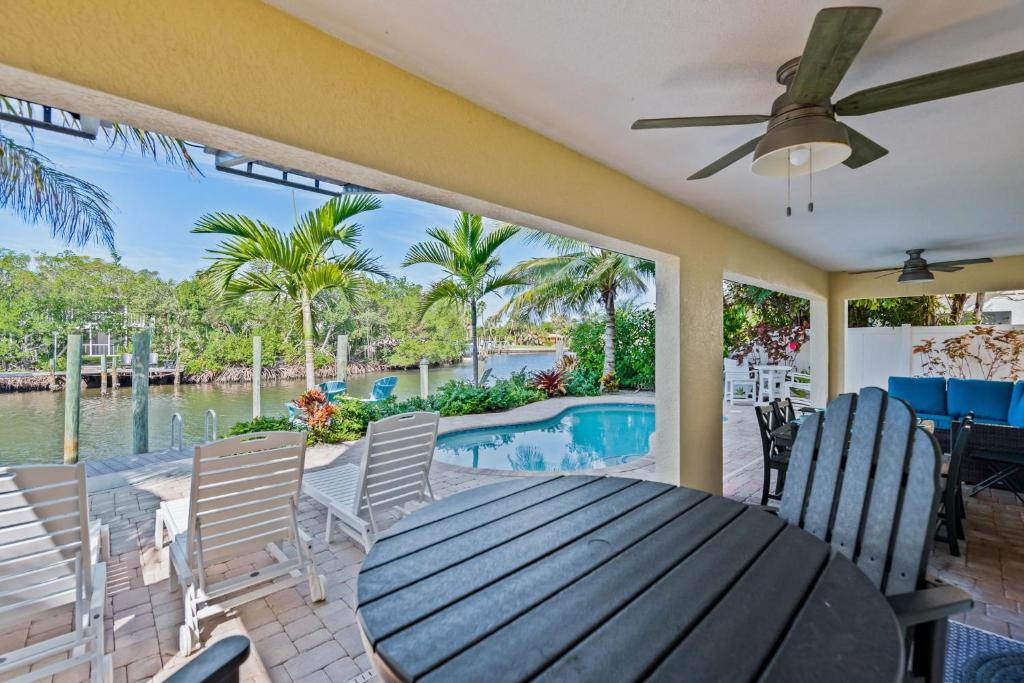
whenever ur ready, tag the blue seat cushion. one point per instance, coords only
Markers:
(988, 400)
(924, 394)
(1016, 416)
(941, 421)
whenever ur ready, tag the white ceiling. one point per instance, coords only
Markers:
(580, 72)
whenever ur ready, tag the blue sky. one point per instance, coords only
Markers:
(155, 207)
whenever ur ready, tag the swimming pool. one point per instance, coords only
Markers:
(578, 438)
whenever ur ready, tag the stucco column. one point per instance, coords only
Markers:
(836, 345)
(820, 343)
(689, 356)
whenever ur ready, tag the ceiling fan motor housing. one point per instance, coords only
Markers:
(810, 127)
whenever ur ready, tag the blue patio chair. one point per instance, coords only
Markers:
(333, 390)
(382, 389)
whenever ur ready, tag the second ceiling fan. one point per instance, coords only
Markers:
(803, 135)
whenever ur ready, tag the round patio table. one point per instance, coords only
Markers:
(603, 578)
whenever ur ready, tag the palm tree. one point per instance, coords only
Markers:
(76, 210)
(576, 278)
(467, 252)
(297, 266)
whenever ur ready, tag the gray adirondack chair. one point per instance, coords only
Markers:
(865, 478)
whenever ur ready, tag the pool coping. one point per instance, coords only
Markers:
(536, 412)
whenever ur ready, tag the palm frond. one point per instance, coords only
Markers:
(175, 152)
(442, 291)
(36, 190)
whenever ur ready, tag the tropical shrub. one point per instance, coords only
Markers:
(582, 382)
(551, 382)
(264, 424)
(465, 398)
(774, 345)
(317, 413)
(634, 347)
(981, 352)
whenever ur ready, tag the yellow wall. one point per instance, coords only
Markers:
(241, 75)
(1005, 274)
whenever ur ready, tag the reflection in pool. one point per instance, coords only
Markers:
(582, 437)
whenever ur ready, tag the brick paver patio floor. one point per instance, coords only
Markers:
(295, 640)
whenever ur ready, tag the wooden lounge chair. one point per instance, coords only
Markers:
(393, 472)
(865, 478)
(243, 498)
(47, 565)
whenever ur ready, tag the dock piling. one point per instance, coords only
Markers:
(341, 361)
(257, 375)
(424, 384)
(72, 398)
(140, 392)
(103, 373)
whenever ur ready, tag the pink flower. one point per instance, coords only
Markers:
(792, 346)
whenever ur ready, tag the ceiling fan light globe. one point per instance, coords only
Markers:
(817, 141)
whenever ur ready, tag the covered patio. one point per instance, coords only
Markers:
(383, 100)
(298, 641)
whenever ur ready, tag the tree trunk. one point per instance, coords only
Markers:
(476, 357)
(957, 303)
(307, 340)
(979, 307)
(609, 333)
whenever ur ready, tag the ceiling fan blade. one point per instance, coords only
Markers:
(983, 75)
(891, 272)
(730, 158)
(941, 265)
(887, 271)
(939, 268)
(695, 121)
(865, 150)
(836, 37)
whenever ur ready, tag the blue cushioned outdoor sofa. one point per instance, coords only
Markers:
(943, 401)
(997, 440)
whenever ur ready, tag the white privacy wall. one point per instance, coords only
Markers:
(873, 354)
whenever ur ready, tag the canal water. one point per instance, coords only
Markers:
(32, 423)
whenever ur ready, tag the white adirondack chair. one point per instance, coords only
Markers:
(48, 563)
(243, 498)
(393, 473)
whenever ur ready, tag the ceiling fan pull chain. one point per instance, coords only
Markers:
(810, 178)
(789, 200)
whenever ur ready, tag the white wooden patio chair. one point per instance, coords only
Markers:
(798, 389)
(243, 498)
(47, 565)
(738, 379)
(394, 472)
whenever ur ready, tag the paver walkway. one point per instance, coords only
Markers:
(295, 640)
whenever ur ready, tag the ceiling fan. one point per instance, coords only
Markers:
(916, 269)
(803, 135)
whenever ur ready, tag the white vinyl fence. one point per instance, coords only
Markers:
(873, 354)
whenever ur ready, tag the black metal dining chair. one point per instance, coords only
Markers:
(775, 457)
(950, 520)
(865, 478)
(782, 409)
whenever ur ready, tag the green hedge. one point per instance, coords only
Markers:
(634, 348)
(453, 398)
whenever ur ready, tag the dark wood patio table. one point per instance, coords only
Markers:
(609, 579)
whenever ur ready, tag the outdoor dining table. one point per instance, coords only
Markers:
(612, 579)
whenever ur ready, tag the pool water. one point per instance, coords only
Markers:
(578, 438)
